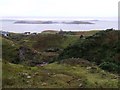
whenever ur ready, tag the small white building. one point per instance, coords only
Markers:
(4, 33)
(34, 33)
(27, 33)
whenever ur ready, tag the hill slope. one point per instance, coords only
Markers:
(101, 48)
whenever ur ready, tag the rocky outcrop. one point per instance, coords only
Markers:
(28, 55)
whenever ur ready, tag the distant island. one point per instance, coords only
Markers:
(34, 22)
(78, 22)
(52, 22)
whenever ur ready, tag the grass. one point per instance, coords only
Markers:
(55, 76)
(0, 73)
(71, 39)
(8, 47)
(86, 33)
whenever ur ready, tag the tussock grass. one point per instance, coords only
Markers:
(55, 76)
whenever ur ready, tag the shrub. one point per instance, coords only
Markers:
(109, 66)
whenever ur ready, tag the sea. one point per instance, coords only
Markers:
(100, 23)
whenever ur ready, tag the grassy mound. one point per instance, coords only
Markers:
(51, 41)
(9, 50)
(16, 53)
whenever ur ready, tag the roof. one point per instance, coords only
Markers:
(4, 32)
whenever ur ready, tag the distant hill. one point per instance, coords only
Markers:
(50, 31)
(78, 22)
(33, 22)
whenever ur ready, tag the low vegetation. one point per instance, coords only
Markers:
(56, 76)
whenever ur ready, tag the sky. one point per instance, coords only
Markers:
(59, 8)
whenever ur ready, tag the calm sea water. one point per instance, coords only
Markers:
(100, 24)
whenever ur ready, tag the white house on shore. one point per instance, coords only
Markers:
(27, 33)
(4, 33)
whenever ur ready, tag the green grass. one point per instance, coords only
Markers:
(71, 39)
(56, 76)
(0, 73)
(87, 33)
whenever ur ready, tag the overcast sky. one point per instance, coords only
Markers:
(59, 8)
